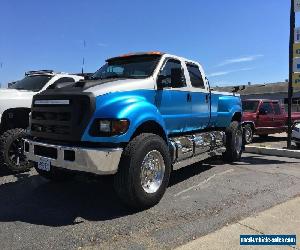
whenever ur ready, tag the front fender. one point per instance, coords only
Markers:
(138, 107)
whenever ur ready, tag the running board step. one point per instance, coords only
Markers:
(186, 150)
(198, 158)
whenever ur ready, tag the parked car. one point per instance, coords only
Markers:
(139, 117)
(264, 117)
(296, 134)
(15, 104)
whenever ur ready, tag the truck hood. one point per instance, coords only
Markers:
(15, 94)
(121, 85)
(13, 98)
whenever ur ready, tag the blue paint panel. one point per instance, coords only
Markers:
(137, 106)
(174, 108)
(200, 111)
(169, 108)
(223, 108)
(227, 107)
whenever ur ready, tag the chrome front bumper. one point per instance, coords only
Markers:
(102, 161)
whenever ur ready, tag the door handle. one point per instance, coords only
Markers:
(206, 98)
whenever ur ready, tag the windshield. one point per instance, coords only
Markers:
(250, 106)
(32, 83)
(128, 67)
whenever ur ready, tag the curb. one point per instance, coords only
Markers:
(273, 151)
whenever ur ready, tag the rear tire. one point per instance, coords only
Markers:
(12, 150)
(248, 134)
(297, 145)
(144, 171)
(234, 142)
(55, 174)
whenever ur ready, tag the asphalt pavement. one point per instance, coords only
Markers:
(84, 213)
(272, 141)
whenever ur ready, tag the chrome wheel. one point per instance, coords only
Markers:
(238, 143)
(248, 135)
(152, 171)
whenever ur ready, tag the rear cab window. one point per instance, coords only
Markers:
(277, 108)
(195, 75)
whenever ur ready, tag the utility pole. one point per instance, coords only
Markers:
(290, 84)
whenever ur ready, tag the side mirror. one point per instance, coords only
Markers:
(159, 82)
(262, 112)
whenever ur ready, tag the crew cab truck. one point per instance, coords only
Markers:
(139, 117)
(263, 117)
(15, 104)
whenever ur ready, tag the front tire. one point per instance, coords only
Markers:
(12, 150)
(144, 171)
(234, 142)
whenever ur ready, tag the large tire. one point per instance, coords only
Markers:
(234, 142)
(137, 162)
(55, 174)
(12, 150)
(248, 134)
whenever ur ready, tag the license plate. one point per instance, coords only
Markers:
(44, 164)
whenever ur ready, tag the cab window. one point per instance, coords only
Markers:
(170, 66)
(64, 79)
(277, 108)
(266, 108)
(195, 76)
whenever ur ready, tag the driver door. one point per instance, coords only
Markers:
(265, 120)
(173, 100)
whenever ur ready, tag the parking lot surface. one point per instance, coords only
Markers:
(85, 213)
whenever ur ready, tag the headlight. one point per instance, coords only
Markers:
(104, 126)
(109, 127)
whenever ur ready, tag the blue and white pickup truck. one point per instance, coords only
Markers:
(139, 117)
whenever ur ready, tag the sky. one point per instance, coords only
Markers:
(235, 41)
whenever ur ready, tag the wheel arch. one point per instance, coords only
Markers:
(237, 116)
(15, 118)
(251, 123)
(150, 126)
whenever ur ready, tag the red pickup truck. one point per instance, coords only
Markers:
(264, 117)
